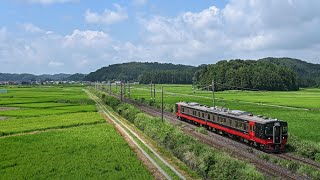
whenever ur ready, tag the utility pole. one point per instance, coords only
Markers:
(162, 103)
(151, 89)
(124, 89)
(121, 90)
(128, 89)
(213, 100)
(109, 83)
(154, 92)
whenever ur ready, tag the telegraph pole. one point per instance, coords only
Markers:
(213, 100)
(124, 89)
(162, 103)
(154, 92)
(128, 89)
(151, 89)
(109, 83)
(121, 90)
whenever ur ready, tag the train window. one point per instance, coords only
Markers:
(236, 124)
(269, 129)
(230, 122)
(209, 116)
(198, 114)
(182, 109)
(245, 127)
(202, 115)
(285, 130)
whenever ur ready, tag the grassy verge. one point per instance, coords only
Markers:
(296, 167)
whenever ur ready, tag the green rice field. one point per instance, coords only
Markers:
(56, 132)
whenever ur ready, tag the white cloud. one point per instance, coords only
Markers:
(29, 27)
(242, 29)
(86, 38)
(107, 16)
(48, 2)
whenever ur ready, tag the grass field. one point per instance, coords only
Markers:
(300, 109)
(59, 135)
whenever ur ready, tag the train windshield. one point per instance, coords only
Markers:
(284, 128)
(269, 129)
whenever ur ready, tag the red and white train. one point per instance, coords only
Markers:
(270, 135)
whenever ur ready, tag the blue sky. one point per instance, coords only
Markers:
(54, 36)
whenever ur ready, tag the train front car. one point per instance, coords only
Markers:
(269, 134)
(276, 136)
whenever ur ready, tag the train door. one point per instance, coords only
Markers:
(251, 129)
(277, 133)
(177, 108)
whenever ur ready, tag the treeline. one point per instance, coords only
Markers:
(145, 72)
(247, 74)
(167, 77)
(44, 77)
(308, 73)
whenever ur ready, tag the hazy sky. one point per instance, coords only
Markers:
(53, 36)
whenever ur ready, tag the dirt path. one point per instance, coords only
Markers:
(142, 158)
(8, 108)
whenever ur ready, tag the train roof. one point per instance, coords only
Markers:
(231, 113)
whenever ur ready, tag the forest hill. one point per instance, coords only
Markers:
(247, 74)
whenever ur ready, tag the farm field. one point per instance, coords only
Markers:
(95, 151)
(300, 109)
(56, 133)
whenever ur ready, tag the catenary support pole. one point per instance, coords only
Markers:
(128, 89)
(154, 92)
(121, 91)
(213, 100)
(162, 103)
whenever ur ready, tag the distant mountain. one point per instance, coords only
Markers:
(144, 72)
(308, 73)
(76, 77)
(44, 77)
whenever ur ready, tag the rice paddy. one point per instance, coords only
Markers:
(56, 132)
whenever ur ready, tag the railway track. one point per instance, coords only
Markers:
(293, 157)
(235, 148)
(137, 141)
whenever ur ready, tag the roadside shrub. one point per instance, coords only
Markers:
(111, 101)
(304, 148)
